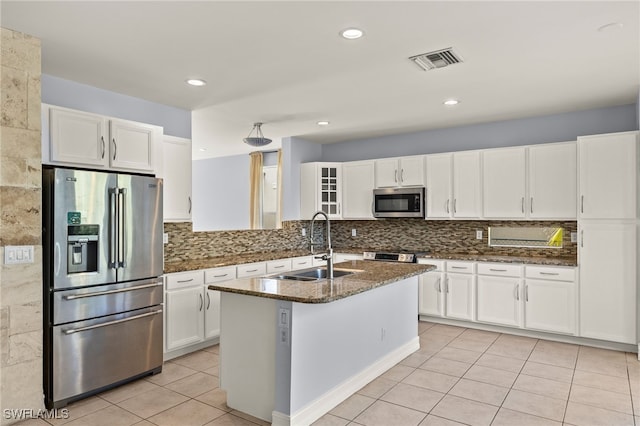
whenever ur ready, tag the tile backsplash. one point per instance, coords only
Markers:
(409, 234)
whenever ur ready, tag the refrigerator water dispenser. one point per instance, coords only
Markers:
(82, 248)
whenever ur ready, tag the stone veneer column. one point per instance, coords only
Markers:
(20, 224)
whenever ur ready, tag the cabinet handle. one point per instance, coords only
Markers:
(531, 204)
(582, 238)
(455, 205)
(458, 267)
(220, 276)
(395, 177)
(102, 139)
(582, 204)
(518, 292)
(251, 270)
(115, 149)
(189, 204)
(201, 302)
(447, 205)
(497, 270)
(185, 281)
(208, 300)
(549, 273)
(526, 293)
(401, 175)
(522, 204)
(439, 286)
(278, 267)
(446, 285)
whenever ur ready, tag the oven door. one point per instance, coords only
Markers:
(93, 354)
(398, 202)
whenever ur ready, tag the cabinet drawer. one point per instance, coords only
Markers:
(500, 269)
(184, 279)
(550, 273)
(461, 267)
(301, 263)
(251, 269)
(274, 266)
(216, 275)
(439, 264)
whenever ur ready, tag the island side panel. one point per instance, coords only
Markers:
(337, 345)
(248, 353)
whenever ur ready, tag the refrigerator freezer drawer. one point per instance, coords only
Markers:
(94, 354)
(98, 301)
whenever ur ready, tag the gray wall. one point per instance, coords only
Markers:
(294, 152)
(221, 193)
(525, 131)
(69, 94)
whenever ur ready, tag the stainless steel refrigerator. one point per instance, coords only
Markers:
(103, 294)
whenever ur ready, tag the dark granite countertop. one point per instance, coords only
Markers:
(371, 275)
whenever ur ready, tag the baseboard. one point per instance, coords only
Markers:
(319, 407)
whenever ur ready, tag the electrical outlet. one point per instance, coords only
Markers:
(574, 237)
(304, 232)
(353, 232)
(479, 234)
(165, 238)
(18, 254)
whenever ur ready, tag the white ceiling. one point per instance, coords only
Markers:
(283, 63)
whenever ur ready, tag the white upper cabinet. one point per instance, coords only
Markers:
(78, 138)
(405, 171)
(607, 170)
(321, 189)
(552, 181)
(94, 141)
(453, 185)
(176, 172)
(504, 182)
(357, 189)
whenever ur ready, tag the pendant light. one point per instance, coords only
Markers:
(258, 139)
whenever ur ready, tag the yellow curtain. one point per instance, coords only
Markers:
(279, 209)
(255, 190)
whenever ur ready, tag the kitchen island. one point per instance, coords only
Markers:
(290, 350)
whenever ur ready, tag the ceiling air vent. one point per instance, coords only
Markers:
(437, 59)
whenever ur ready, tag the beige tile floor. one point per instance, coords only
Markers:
(459, 376)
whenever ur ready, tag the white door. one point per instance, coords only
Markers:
(550, 306)
(357, 189)
(438, 188)
(176, 172)
(269, 197)
(132, 145)
(78, 138)
(460, 296)
(607, 258)
(504, 174)
(467, 189)
(552, 181)
(184, 316)
(411, 171)
(608, 176)
(211, 314)
(499, 300)
(431, 300)
(387, 173)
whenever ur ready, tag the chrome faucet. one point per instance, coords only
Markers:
(329, 255)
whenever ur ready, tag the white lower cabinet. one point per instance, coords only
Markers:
(212, 314)
(431, 287)
(184, 304)
(499, 299)
(550, 306)
(460, 286)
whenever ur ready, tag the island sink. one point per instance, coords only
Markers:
(315, 274)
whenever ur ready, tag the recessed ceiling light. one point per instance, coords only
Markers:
(451, 102)
(351, 33)
(196, 82)
(612, 26)
(203, 149)
(323, 123)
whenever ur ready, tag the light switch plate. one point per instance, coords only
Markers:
(165, 238)
(574, 237)
(354, 232)
(304, 232)
(18, 254)
(479, 234)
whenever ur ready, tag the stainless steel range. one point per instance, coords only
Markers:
(102, 238)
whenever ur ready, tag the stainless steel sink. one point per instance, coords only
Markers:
(315, 274)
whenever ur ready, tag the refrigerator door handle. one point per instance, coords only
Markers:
(122, 224)
(56, 255)
(113, 226)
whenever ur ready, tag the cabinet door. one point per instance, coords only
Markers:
(550, 306)
(212, 314)
(467, 194)
(608, 176)
(504, 182)
(78, 138)
(460, 296)
(411, 171)
(438, 186)
(184, 316)
(499, 300)
(387, 173)
(607, 259)
(431, 294)
(330, 190)
(132, 145)
(357, 194)
(301, 263)
(176, 172)
(552, 181)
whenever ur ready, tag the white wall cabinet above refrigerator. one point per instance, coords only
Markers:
(176, 173)
(394, 172)
(83, 139)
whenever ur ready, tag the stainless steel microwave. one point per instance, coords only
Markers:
(398, 202)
